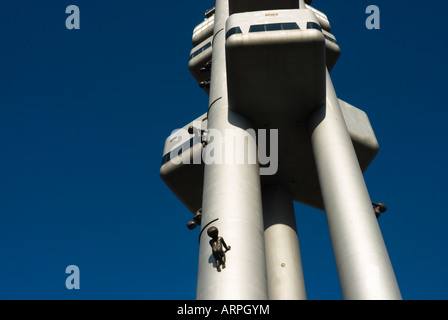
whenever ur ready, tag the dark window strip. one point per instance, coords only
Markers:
(199, 51)
(274, 27)
(313, 25)
(231, 32)
(330, 39)
(180, 149)
(290, 26)
(257, 28)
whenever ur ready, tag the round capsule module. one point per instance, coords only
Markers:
(204, 30)
(275, 59)
(200, 63)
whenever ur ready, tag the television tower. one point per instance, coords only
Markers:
(265, 65)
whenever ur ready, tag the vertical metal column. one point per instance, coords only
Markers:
(364, 267)
(231, 197)
(283, 261)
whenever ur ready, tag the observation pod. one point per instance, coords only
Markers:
(182, 168)
(333, 51)
(200, 63)
(275, 58)
(240, 6)
(204, 30)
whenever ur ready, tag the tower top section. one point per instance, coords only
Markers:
(239, 6)
(209, 12)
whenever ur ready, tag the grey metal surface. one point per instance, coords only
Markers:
(364, 267)
(322, 17)
(296, 162)
(333, 51)
(245, 20)
(199, 57)
(179, 171)
(237, 6)
(203, 30)
(267, 69)
(361, 133)
(231, 198)
(283, 260)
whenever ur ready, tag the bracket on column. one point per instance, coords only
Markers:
(379, 208)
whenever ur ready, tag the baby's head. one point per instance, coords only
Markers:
(213, 232)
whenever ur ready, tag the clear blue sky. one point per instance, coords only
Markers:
(83, 119)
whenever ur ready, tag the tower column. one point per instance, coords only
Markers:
(283, 261)
(231, 195)
(364, 267)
